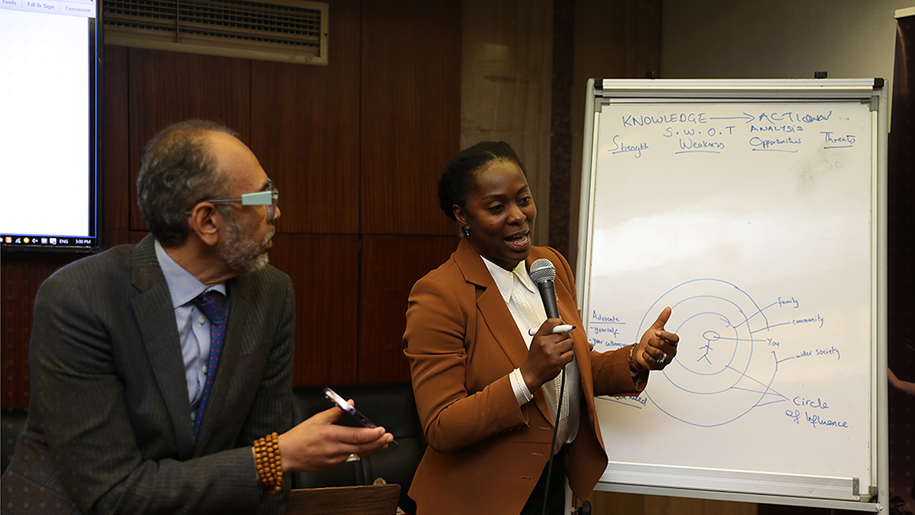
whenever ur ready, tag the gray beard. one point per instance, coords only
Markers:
(243, 254)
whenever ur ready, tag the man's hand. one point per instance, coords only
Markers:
(318, 444)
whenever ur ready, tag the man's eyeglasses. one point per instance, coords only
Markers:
(268, 197)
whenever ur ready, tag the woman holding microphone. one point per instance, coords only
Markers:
(485, 360)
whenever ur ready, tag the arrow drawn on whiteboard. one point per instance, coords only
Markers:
(768, 388)
(746, 116)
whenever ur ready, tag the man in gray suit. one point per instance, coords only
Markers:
(128, 411)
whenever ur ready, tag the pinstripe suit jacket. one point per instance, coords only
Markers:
(485, 452)
(109, 427)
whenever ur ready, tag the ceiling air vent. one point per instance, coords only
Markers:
(275, 30)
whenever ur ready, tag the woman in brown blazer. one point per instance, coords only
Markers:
(486, 365)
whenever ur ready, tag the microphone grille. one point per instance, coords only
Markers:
(543, 270)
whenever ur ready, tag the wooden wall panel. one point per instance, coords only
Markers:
(22, 274)
(411, 77)
(305, 130)
(356, 147)
(505, 87)
(390, 266)
(775, 509)
(561, 123)
(115, 149)
(168, 87)
(608, 503)
(325, 274)
(618, 39)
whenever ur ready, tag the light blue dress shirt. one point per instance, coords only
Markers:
(193, 325)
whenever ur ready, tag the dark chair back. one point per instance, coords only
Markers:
(12, 423)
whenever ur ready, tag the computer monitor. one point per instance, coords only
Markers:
(50, 125)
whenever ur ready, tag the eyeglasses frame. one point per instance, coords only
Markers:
(269, 197)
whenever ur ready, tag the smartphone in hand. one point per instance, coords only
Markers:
(341, 403)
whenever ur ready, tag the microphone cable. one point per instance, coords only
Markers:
(543, 273)
(549, 465)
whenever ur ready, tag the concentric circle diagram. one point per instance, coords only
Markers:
(718, 375)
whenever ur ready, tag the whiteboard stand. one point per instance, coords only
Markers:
(756, 209)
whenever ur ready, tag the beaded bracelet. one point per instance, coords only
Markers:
(269, 464)
(632, 366)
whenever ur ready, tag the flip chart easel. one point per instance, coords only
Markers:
(756, 210)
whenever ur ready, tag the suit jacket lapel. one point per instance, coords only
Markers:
(568, 310)
(156, 319)
(490, 304)
(494, 312)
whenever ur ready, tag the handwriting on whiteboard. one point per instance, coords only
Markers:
(681, 133)
(731, 349)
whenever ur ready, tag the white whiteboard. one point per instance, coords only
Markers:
(752, 209)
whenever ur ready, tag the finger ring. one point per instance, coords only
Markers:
(353, 457)
(662, 359)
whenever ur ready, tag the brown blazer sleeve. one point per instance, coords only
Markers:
(441, 324)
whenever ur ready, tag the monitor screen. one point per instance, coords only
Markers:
(49, 125)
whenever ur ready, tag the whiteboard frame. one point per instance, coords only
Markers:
(602, 92)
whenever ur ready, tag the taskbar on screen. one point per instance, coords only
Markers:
(16, 242)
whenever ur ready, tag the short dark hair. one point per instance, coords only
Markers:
(176, 172)
(458, 177)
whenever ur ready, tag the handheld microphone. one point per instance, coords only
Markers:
(543, 274)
